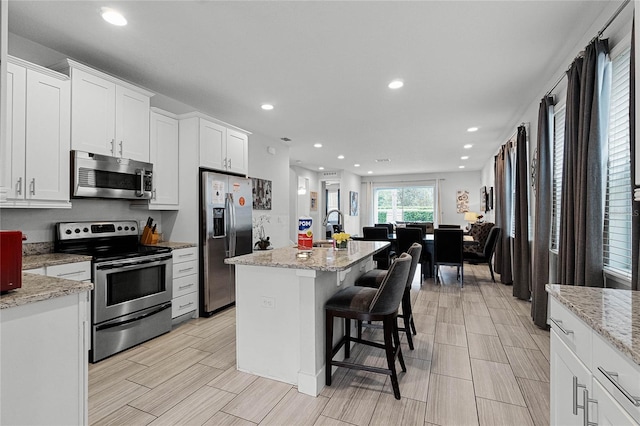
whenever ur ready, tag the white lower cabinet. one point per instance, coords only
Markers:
(78, 271)
(592, 383)
(185, 283)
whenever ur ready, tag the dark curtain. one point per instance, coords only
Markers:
(582, 205)
(635, 217)
(504, 191)
(542, 228)
(521, 252)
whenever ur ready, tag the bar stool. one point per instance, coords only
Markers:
(374, 277)
(368, 304)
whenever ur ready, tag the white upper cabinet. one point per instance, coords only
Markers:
(36, 167)
(212, 145)
(164, 150)
(109, 116)
(237, 152)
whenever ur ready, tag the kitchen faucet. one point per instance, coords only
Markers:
(325, 221)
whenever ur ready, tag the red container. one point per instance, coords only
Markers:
(10, 260)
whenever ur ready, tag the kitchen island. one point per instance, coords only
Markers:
(280, 299)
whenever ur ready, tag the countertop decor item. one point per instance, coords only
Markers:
(340, 239)
(263, 242)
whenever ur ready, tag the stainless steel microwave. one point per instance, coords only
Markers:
(102, 176)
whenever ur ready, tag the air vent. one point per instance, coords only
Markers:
(285, 139)
(383, 160)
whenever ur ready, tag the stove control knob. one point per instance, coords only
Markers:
(119, 228)
(68, 231)
(85, 230)
(126, 228)
(133, 228)
(77, 230)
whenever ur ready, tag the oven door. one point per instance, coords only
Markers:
(125, 286)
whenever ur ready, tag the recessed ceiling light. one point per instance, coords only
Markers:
(396, 84)
(356, 165)
(317, 145)
(467, 146)
(472, 129)
(320, 168)
(370, 171)
(340, 157)
(113, 16)
(461, 167)
(266, 107)
(464, 157)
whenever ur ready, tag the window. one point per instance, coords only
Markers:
(558, 156)
(404, 204)
(617, 222)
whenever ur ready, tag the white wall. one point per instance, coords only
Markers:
(296, 172)
(350, 183)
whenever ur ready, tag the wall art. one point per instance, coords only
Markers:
(462, 201)
(353, 203)
(261, 194)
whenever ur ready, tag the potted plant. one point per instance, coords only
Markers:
(340, 240)
(263, 242)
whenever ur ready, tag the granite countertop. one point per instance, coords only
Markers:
(612, 313)
(36, 288)
(321, 259)
(49, 259)
(173, 245)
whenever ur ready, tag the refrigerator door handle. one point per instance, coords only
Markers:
(232, 220)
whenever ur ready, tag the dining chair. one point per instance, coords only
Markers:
(447, 247)
(369, 304)
(444, 226)
(487, 254)
(422, 225)
(405, 237)
(389, 227)
(480, 233)
(374, 278)
(376, 233)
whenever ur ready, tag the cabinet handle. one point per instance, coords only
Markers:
(185, 270)
(32, 187)
(186, 255)
(585, 403)
(64, 274)
(558, 324)
(113, 148)
(229, 162)
(184, 306)
(576, 385)
(19, 186)
(224, 162)
(182, 287)
(120, 148)
(154, 194)
(612, 376)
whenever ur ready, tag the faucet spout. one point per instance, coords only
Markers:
(340, 217)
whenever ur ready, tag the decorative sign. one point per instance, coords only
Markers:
(462, 201)
(217, 192)
(261, 194)
(314, 201)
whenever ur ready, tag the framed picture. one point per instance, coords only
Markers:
(483, 199)
(261, 194)
(353, 203)
(313, 206)
(490, 201)
(462, 201)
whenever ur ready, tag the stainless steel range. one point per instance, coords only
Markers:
(131, 300)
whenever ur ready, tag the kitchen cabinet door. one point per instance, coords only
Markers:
(132, 124)
(47, 138)
(164, 152)
(605, 411)
(13, 162)
(93, 112)
(212, 145)
(237, 156)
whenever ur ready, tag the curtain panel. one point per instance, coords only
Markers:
(583, 180)
(542, 228)
(504, 193)
(521, 250)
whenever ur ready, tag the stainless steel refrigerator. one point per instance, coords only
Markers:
(226, 204)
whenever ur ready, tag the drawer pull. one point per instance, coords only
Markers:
(185, 270)
(184, 306)
(182, 287)
(186, 255)
(558, 324)
(612, 376)
(585, 403)
(576, 385)
(64, 274)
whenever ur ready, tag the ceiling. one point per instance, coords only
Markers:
(325, 66)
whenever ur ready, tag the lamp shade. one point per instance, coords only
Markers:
(470, 217)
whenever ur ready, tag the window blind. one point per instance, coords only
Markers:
(558, 156)
(618, 212)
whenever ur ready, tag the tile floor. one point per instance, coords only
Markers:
(478, 359)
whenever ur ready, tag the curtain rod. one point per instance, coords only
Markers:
(602, 30)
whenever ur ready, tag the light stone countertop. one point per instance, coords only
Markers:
(321, 259)
(49, 259)
(36, 288)
(174, 245)
(612, 313)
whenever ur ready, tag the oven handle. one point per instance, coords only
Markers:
(135, 264)
(119, 323)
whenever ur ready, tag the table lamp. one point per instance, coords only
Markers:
(470, 217)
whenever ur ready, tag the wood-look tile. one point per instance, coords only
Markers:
(450, 315)
(422, 347)
(223, 358)
(208, 329)
(475, 308)
(451, 401)
(494, 380)
(257, 400)
(480, 325)
(425, 307)
(504, 316)
(351, 401)
(163, 397)
(486, 347)
(126, 416)
(451, 361)
(496, 302)
(328, 421)
(544, 344)
(232, 380)
(494, 413)
(450, 301)
(528, 363)
(224, 419)
(521, 307)
(406, 411)
(111, 374)
(515, 336)
(537, 396)
(171, 366)
(170, 347)
(296, 408)
(216, 341)
(414, 383)
(490, 291)
(451, 334)
(121, 393)
(196, 408)
(527, 322)
(424, 323)
(122, 356)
